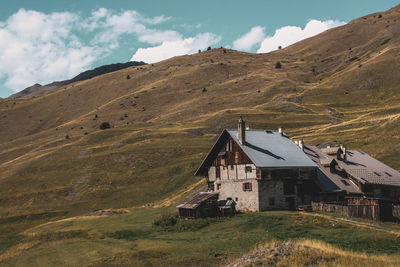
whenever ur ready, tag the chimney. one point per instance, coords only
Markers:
(301, 144)
(242, 131)
(342, 156)
(344, 153)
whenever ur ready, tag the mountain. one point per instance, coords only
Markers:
(38, 89)
(55, 162)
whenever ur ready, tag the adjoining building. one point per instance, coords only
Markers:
(259, 170)
(350, 173)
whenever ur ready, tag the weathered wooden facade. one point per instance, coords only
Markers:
(259, 170)
(369, 208)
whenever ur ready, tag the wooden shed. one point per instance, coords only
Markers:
(203, 204)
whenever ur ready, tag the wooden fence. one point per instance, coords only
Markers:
(374, 209)
(321, 206)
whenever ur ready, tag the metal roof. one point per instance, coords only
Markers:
(196, 200)
(367, 169)
(358, 164)
(271, 149)
(326, 180)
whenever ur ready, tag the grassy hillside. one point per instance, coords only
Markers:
(55, 162)
(130, 239)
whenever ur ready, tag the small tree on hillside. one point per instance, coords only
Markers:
(105, 125)
(278, 65)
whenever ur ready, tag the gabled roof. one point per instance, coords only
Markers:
(326, 180)
(367, 169)
(197, 199)
(271, 149)
(265, 148)
(358, 164)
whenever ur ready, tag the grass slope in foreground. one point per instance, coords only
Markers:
(132, 239)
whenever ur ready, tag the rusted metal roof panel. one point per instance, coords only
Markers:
(197, 199)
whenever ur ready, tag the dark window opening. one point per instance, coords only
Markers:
(291, 203)
(236, 199)
(388, 174)
(272, 201)
(232, 167)
(217, 172)
(218, 186)
(345, 182)
(385, 192)
(247, 187)
(288, 187)
(249, 169)
(210, 186)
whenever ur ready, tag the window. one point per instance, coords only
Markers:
(272, 201)
(288, 187)
(210, 186)
(232, 167)
(236, 199)
(218, 186)
(247, 187)
(217, 172)
(227, 146)
(249, 169)
(236, 157)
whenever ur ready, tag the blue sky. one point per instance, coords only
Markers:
(46, 40)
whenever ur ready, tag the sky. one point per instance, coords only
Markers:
(43, 41)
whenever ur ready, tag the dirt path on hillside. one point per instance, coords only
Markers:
(355, 223)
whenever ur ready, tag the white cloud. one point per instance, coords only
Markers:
(40, 48)
(156, 37)
(288, 35)
(37, 47)
(113, 25)
(255, 36)
(178, 47)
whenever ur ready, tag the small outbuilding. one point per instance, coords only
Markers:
(201, 205)
(227, 207)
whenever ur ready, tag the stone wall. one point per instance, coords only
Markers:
(245, 200)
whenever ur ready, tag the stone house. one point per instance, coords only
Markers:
(259, 170)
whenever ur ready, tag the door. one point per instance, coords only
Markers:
(291, 203)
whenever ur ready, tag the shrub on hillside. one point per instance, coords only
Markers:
(166, 220)
(105, 125)
(278, 65)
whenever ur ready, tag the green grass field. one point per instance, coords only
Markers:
(132, 239)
